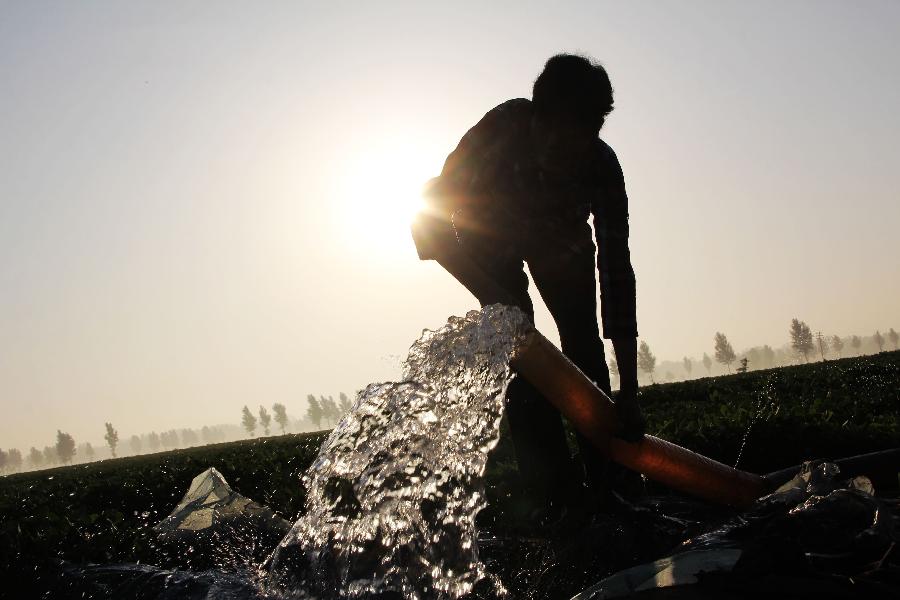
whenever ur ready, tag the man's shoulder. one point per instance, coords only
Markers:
(515, 114)
(605, 151)
(607, 161)
(492, 143)
(501, 128)
(514, 107)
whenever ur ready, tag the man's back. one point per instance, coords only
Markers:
(495, 181)
(495, 161)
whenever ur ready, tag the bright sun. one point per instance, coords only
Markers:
(382, 192)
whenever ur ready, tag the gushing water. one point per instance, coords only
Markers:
(393, 494)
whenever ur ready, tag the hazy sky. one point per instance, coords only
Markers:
(203, 204)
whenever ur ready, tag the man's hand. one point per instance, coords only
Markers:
(628, 409)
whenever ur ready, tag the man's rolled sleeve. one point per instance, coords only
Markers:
(617, 281)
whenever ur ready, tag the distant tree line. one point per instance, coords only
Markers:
(66, 451)
(326, 411)
(321, 412)
(803, 346)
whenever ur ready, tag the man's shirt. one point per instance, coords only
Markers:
(493, 174)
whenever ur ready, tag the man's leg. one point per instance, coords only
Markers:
(566, 282)
(545, 464)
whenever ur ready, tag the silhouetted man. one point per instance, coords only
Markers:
(519, 188)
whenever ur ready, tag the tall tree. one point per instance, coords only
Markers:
(189, 437)
(280, 416)
(65, 447)
(856, 342)
(265, 419)
(707, 362)
(175, 439)
(688, 366)
(136, 444)
(4, 460)
(330, 409)
(754, 357)
(837, 343)
(336, 411)
(248, 420)
(314, 411)
(112, 438)
(822, 341)
(206, 435)
(766, 357)
(51, 457)
(35, 458)
(801, 339)
(15, 460)
(879, 340)
(169, 439)
(646, 362)
(894, 337)
(88, 451)
(743, 368)
(344, 403)
(153, 441)
(724, 352)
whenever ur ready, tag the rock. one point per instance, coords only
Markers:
(214, 526)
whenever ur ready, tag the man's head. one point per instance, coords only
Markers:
(571, 98)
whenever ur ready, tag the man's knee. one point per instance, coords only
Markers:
(582, 345)
(586, 351)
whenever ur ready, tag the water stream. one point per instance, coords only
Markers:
(394, 491)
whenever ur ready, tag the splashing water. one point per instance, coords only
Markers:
(393, 494)
(766, 401)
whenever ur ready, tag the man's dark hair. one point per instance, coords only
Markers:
(572, 84)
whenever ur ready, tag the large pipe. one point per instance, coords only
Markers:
(589, 410)
(593, 413)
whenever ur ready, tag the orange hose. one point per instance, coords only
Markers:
(593, 414)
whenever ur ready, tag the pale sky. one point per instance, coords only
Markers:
(204, 204)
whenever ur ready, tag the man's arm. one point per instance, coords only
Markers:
(626, 360)
(617, 289)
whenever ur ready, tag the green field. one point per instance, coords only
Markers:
(102, 512)
(820, 410)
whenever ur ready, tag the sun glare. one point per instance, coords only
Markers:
(382, 193)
